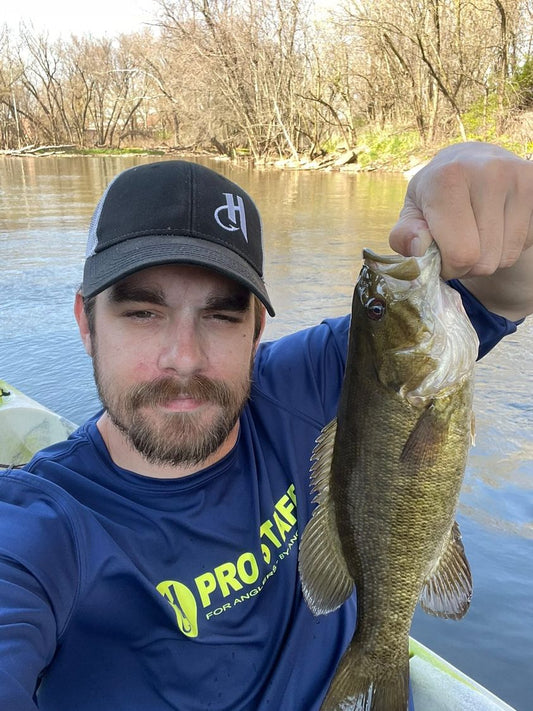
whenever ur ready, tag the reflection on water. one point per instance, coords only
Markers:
(316, 225)
(498, 491)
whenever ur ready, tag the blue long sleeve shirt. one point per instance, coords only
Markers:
(120, 592)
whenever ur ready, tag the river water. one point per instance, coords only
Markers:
(315, 227)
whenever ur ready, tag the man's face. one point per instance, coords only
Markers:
(172, 350)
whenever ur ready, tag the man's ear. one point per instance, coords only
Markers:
(261, 329)
(83, 324)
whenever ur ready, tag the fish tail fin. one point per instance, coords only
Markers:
(361, 684)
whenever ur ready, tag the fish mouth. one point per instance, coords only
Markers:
(382, 258)
(446, 335)
(402, 268)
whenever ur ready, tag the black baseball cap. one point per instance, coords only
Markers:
(174, 212)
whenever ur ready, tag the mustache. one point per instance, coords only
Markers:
(163, 390)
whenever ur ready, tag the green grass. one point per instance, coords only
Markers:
(118, 151)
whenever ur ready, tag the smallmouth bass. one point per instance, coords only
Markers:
(387, 474)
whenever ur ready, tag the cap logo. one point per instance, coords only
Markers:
(231, 216)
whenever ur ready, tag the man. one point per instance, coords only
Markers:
(150, 562)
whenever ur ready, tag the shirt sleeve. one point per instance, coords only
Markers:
(39, 571)
(490, 327)
(304, 370)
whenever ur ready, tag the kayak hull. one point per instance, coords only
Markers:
(438, 686)
(26, 426)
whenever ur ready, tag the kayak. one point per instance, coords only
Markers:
(438, 686)
(27, 426)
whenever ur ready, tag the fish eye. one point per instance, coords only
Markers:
(375, 309)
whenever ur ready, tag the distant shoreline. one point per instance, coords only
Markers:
(340, 161)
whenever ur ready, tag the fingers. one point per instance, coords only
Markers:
(470, 231)
(410, 236)
(476, 202)
(518, 228)
(501, 197)
(438, 207)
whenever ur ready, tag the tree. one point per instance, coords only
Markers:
(250, 51)
(453, 47)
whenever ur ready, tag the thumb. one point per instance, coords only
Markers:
(410, 236)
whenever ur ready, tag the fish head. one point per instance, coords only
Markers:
(411, 327)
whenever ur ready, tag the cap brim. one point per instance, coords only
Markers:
(102, 269)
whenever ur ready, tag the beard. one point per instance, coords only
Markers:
(175, 438)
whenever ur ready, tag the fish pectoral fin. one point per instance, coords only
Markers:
(448, 590)
(326, 582)
(424, 442)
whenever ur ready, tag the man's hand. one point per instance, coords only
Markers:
(476, 201)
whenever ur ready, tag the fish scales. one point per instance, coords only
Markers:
(387, 475)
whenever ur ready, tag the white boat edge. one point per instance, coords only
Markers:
(26, 426)
(439, 686)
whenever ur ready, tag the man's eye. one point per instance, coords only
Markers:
(225, 317)
(141, 314)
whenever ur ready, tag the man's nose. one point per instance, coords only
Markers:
(181, 350)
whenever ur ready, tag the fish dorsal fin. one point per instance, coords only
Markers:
(448, 590)
(326, 582)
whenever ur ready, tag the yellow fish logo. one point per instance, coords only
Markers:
(183, 603)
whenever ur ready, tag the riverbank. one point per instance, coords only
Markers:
(350, 160)
(404, 159)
